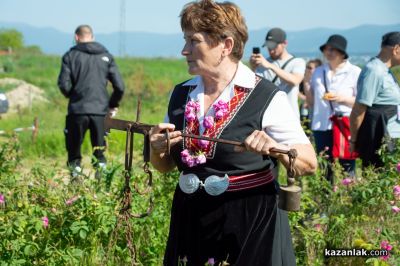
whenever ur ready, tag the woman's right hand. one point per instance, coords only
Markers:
(158, 138)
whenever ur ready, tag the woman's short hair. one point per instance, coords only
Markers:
(218, 21)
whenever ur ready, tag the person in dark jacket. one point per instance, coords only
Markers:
(86, 69)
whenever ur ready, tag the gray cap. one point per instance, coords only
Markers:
(274, 37)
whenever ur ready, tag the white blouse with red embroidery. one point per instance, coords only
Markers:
(279, 121)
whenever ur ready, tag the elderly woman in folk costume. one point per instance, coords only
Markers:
(225, 205)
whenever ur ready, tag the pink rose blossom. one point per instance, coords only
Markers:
(396, 190)
(221, 109)
(395, 209)
(385, 245)
(186, 159)
(190, 116)
(185, 153)
(318, 227)
(221, 105)
(208, 122)
(191, 161)
(347, 181)
(200, 159)
(2, 199)
(203, 143)
(71, 200)
(193, 106)
(219, 114)
(45, 221)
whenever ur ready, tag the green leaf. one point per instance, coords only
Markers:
(83, 234)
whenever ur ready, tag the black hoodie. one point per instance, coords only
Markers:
(85, 70)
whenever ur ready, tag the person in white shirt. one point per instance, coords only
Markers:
(338, 77)
(225, 203)
(282, 68)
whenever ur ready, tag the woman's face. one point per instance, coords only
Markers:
(332, 54)
(201, 57)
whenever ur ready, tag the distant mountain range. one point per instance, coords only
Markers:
(362, 40)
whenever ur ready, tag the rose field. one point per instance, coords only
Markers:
(45, 219)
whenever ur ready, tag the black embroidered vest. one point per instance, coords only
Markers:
(246, 117)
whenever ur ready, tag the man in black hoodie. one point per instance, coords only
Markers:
(85, 70)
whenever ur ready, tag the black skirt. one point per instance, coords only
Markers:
(243, 227)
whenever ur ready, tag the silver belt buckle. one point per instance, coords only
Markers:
(213, 185)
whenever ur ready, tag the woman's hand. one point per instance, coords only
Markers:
(306, 161)
(158, 138)
(261, 143)
(159, 146)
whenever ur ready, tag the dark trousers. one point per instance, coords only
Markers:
(325, 139)
(75, 129)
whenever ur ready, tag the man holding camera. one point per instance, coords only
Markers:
(281, 68)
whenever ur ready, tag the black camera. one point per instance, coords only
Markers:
(256, 50)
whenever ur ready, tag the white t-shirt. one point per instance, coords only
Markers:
(343, 82)
(279, 121)
(296, 66)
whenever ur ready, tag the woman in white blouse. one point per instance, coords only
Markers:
(333, 91)
(236, 218)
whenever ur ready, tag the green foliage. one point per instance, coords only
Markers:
(82, 216)
(357, 215)
(11, 38)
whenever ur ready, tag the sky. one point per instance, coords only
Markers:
(162, 16)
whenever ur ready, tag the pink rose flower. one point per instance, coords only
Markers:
(45, 221)
(318, 227)
(221, 109)
(193, 106)
(395, 209)
(219, 114)
(385, 245)
(200, 159)
(347, 181)
(190, 116)
(191, 161)
(221, 105)
(396, 190)
(203, 143)
(71, 200)
(185, 153)
(208, 122)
